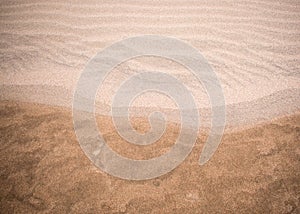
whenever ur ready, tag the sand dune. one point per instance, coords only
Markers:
(253, 46)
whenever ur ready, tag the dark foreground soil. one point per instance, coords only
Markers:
(43, 169)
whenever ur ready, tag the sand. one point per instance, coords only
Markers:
(43, 169)
(254, 48)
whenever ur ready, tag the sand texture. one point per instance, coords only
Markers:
(253, 46)
(43, 169)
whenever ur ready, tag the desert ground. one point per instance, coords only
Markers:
(254, 49)
(43, 169)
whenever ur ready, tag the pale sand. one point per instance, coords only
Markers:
(253, 46)
(43, 169)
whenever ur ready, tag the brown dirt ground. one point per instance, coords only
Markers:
(43, 169)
